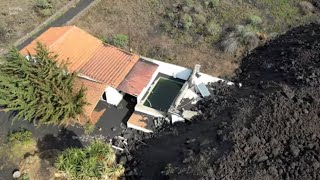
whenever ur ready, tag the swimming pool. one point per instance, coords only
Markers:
(163, 93)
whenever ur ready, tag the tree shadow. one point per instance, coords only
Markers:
(50, 146)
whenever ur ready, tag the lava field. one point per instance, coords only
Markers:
(269, 128)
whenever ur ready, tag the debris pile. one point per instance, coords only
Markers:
(267, 129)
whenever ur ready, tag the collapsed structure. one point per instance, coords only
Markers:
(162, 91)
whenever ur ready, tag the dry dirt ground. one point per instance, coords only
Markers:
(20, 17)
(142, 19)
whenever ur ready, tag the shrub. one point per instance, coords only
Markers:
(199, 19)
(119, 40)
(3, 30)
(211, 3)
(21, 136)
(230, 45)
(88, 128)
(212, 28)
(241, 37)
(45, 12)
(306, 7)
(43, 4)
(255, 20)
(166, 26)
(189, 2)
(251, 40)
(171, 16)
(186, 21)
(96, 161)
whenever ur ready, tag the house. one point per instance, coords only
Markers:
(110, 73)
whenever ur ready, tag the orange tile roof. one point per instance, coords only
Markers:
(93, 93)
(71, 44)
(138, 78)
(109, 65)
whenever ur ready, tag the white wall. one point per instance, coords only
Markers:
(206, 79)
(150, 111)
(145, 89)
(138, 128)
(171, 69)
(113, 96)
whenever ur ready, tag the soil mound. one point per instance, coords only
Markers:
(267, 129)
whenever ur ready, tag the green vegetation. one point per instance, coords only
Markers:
(44, 7)
(19, 143)
(118, 40)
(39, 90)
(242, 37)
(3, 30)
(255, 20)
(212, 3)
(96, 161)
(20, 136)
(88, 128)
(211, 18)
(306, 7)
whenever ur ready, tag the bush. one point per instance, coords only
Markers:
(189, 2)
(212, 28)
(211, 3)
(255, 20)
(45, 12)
(20, 136)
(199, 19)
(119, 40)
(241, 37)
(3, 30)
(186, 21)
(166, 26)
(88, 128)
(96, 161)
(43, 4)
(251, 40)
(306, 7)
(230, 45)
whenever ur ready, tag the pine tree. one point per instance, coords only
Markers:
(38, 89)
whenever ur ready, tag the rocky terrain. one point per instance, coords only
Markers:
(269, 128)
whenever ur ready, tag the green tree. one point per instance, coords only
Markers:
(96, 161)
(39, 90)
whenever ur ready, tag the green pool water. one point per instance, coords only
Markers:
(163, 94)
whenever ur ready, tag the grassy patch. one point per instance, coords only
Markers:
(18, 144)
(88, 128)
(118, 40)
(272, 16)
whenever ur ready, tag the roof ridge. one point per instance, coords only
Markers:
(63, 35)
(125, 51)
